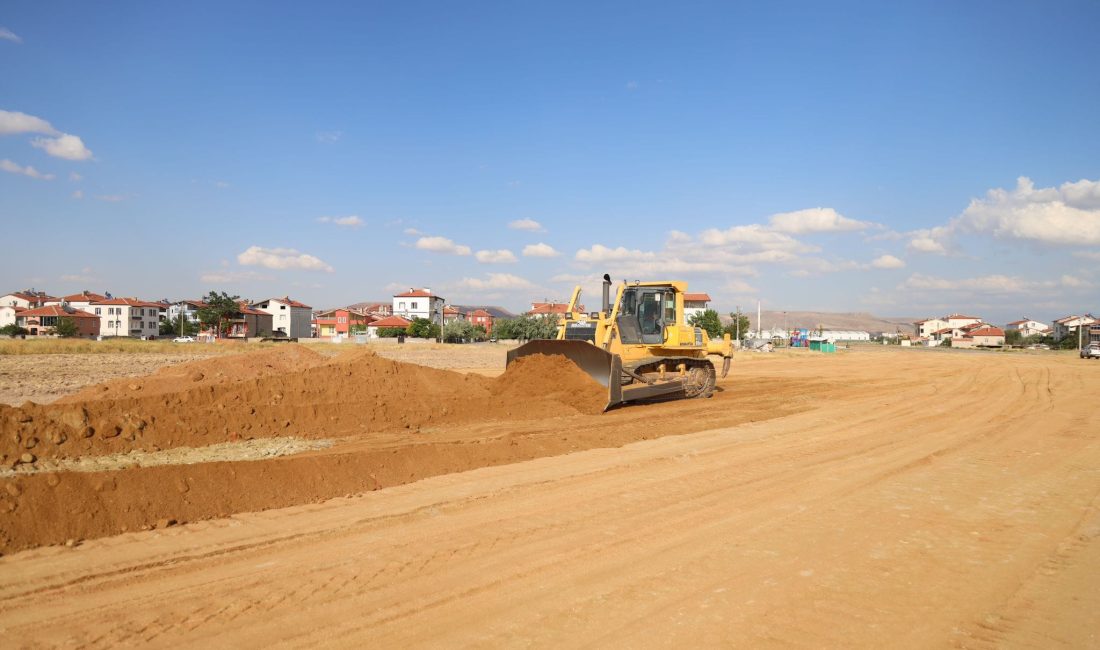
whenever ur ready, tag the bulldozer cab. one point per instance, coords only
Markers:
(644, 313)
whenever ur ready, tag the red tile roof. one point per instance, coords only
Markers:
(391, 321)
(944, 330)
(958, 316)
(132, 302)
(1020, 322)
(416, 293)
(56, 310)
(696, 297)
(986, 331)
(84, 296)
(480, 313)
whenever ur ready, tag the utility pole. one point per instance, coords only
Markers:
(737, 327)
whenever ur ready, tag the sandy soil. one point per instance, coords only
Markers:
(870, 499)
(44, 378)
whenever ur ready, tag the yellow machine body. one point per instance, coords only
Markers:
(639, 345)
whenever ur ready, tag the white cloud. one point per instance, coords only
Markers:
(8, 35)
(75, 177)
(930, 240)
(86, 275)
(599, 253)
(78, 194)
(754, 237)
(815, 220)
(232, 277)
(15, 122)
(329, 137)
(413, 232)
(526, 224)
(496, 281)
(1088, 255)
(632, 85)
(887, 262)
(441, 245)
(112, 198)
(1066, 215)
(540, 250)
(740, 287)
(66, 145)
(221, 184)
(281, 258)
(502, 256)
(994, 284)
(13, 168)
(347, 222)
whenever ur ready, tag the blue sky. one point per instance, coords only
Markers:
(904, 159)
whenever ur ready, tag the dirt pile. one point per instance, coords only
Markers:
(552, 377)
(205, 372)
(352, 394)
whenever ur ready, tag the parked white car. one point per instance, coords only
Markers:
(1091, 351)
(184, 339)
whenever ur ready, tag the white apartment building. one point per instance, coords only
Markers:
(288, 316)
(1027, 327)
(418, 303)
(929, 326)
(126, 317)
(81, 301)
(694, 303)
(28, 299)
(1068, 326)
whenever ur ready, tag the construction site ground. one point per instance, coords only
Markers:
(871, 498)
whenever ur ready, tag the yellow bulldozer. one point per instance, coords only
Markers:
(640, 346)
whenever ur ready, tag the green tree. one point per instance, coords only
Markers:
(459, 330)
(710, 323)
(422, 328)
(66, 328)
(1013, 337)
(180, 326)
(13, 330)
(218, 309)
(732, 328)
(390, 332)
(527, 328)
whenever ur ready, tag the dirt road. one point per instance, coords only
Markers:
(917, 500)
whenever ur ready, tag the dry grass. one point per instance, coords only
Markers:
(115, 346)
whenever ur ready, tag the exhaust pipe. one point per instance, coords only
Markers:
(606, 293)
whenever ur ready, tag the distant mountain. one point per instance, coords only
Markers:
(497, 312)
(859, 321)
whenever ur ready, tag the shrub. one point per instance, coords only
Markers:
(13, 330)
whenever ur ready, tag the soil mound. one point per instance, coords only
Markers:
(204, 372)
(552, 377)
(353, 394)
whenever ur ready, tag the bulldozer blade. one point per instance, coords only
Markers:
(725, 366)
(604, 367)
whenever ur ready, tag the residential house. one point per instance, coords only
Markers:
(340, 321)
(27, 299)
(980, 337)
(958, 321)
(289, 317)
(482, 318)
(127, 317)
(550, 309)
(496, 312)
(376, 309)
(419, 303)
(8, 314)
(388, 322)
(81, 300)
(41, 321)
(1094, 333)
(1068, 326)
(1027, 327)
(694, 303)
(189, 309)
(452, 313)
(925, 329)
(248, 323)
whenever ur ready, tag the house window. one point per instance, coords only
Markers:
(400, 305)
(282, 306)
(97, 311)
(412, 305)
